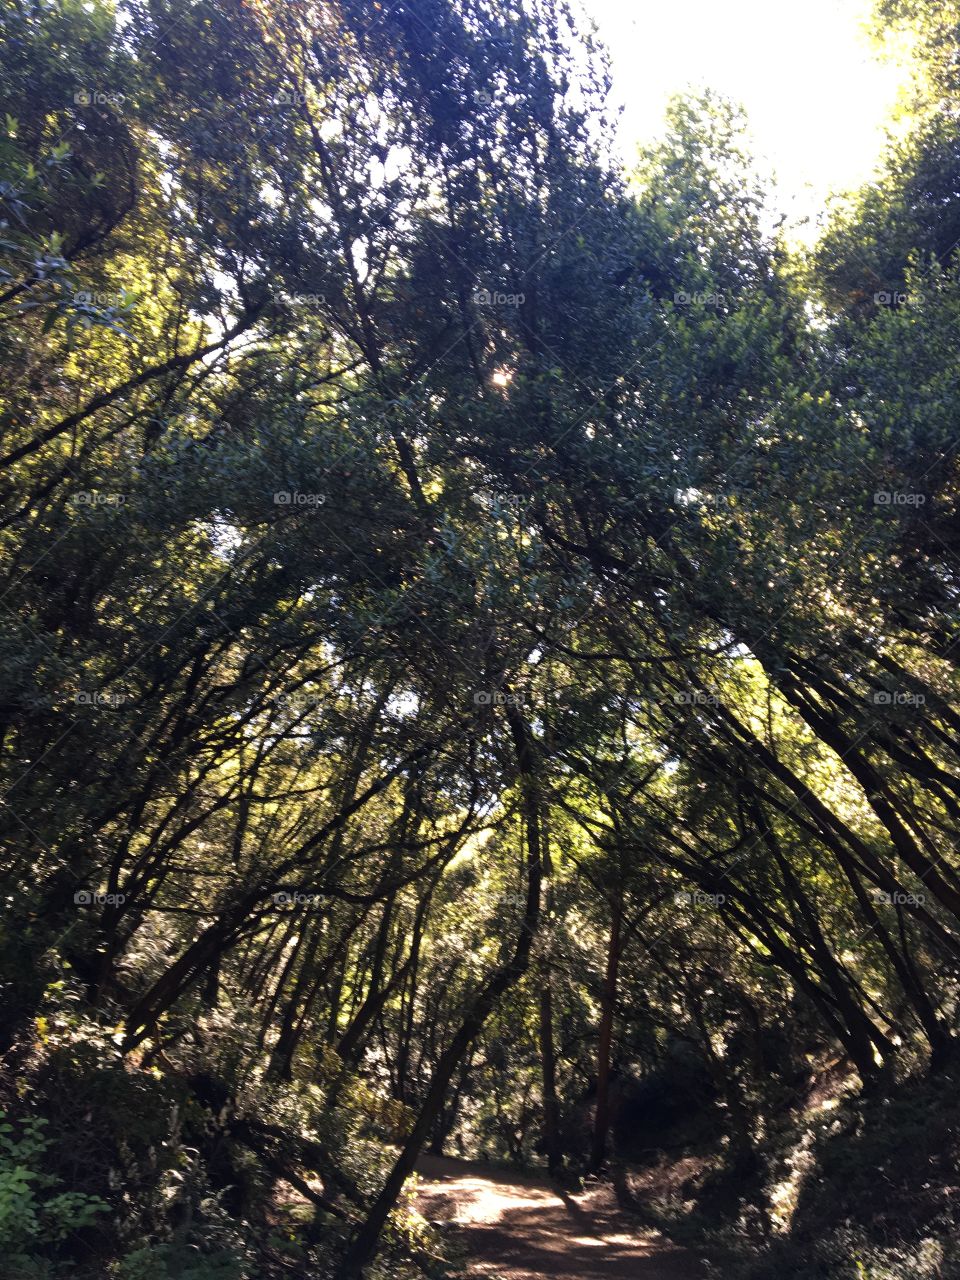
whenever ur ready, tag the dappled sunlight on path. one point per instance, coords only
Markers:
(519, 1227)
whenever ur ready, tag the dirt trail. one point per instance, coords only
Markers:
(520, 1227)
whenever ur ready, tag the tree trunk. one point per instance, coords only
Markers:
(365, 1242)
(548, 1068)
(548, 1057)
(601, 1124)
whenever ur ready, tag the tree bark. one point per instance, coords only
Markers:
(548, 1057)
(601, 1124)
(365, 1242)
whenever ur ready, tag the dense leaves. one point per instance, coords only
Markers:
(478, 653)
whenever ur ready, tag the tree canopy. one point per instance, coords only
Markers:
(479, 628)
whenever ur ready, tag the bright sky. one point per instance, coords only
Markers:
(817, 95)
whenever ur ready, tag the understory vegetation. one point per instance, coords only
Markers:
(478, 660)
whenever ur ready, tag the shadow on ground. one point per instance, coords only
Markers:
(518, 1226)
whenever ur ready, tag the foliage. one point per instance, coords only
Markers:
(478, 665)
(36, 1215)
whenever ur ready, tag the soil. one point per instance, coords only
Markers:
(516, 1226)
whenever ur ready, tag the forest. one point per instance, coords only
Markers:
(478, 652)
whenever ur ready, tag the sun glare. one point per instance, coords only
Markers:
(817, 92)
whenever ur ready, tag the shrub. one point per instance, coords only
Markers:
(36, 1217)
